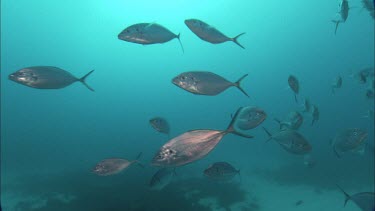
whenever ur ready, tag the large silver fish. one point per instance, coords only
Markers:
(292, 141)
(349, 140)
(364, 200)
(293, 121)
(343, 13)
(162, 178)
(148, 33)
(205, 83)
(46, 77)
(250, 117)
(294, 85)
(221, 171)
(191, 146)
(113, 166)
(209, 33)
(160, 124)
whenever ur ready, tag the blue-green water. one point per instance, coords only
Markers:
(51, 139)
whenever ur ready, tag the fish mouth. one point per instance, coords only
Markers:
(12, 77)
(176, 82)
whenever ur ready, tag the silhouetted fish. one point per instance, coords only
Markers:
(46, 77)
(162, 178)
(306, 105)
(148, 33)
(350, 140)
(291, 141)
(191, 146)
(343, 13)
(205, 83)
(294, 85)
(250, 117)
(293, 121)
(364, 200)
(315, 114)
(209, 33)
(160, 124)
(221, 171)
(337, 83)
(369, 6)
(112, 166)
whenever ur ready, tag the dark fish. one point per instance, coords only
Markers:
(161, 178)
(350, 140)
(294, 85)
(160, 124)
(205, 83)
(46, 77)
(250, 117)
(292, 141)
(343, 13)
(299, 202)
(221, 171)
(191, 146)
(337, 83)
(293, 121)
(370, 94)
(364, 75)
(364, 200)
(148, 33)
(315, 114)
(113, 166)
(369, 6)
(209, 33)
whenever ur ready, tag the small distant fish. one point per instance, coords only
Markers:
(364, 75)
(306, 105)
(192, 145)
(364, 200)
(148, 33)
(369, 6)
(294, 85)
(250, 117)
(162, 178)
(299, 202)
(293, 121)
(292, 141)
(209, 33)
(46, 77)
(205, 83)
(349, 140)
(160, 124)
(315, 114)
(113, 166)
(343, 13)
(370, 94)
(337, 83)
(221, 171)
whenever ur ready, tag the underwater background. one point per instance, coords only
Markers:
(51, 139)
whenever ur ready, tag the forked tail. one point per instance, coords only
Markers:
(347, 196)
(182, 47)
(231, 128)
(83, 80)
(235, 40)
(238, 84)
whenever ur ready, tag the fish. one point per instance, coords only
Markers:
(299, 202)
(349, 140)
(192, 146)
(337, 83)
(293, 121)
(369, 6)
(221, 171)
(370, 94)
(291, 141)
(162, 178)
(364, 200)
(113, 166)
(294, 85)
(315, 114)
(46, 77)
(147, 34)
(250, 117)
(306, 105)
(209, 33)
(160, 124)
(364, 75)
(343, 13)
(205, 83)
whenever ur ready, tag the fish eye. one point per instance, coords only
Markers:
(183, 77)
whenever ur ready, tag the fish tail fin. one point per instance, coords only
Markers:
(83, 80)
(231, 128)
(336, 153)
(235, 40)
(295, 98)
(179, 40)
(138, 156)
(347, 196)
(337, 24)
(137, 160)
(238, 84)
(268, 133)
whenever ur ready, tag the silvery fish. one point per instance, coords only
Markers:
(46, 77)
(336, 84)
(349, 140)
(315, 114)
(294, 85)
(113, 166)
(205, 83)
(209, 33)
(293, 121)
(364, 200)
(250, 117)
(292, 141)
(369, 6)
(221, 171)
(343, 13)
(191, 146)
(148, 33)
(162, 178)
(160, 124)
